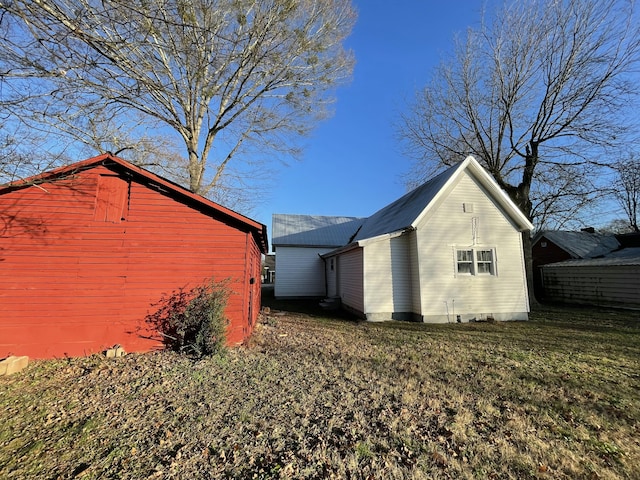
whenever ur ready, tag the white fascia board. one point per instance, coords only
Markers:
(302, 245)
(490, 184)
(441, 192)
(339, 250)
(384, 236)
(367, 241)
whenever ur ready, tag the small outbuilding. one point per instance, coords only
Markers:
(552, 246)
(451, 250)
(88, 251)
(611, 280)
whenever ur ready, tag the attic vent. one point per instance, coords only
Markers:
(467, 207)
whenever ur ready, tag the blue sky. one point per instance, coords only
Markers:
(352, 164)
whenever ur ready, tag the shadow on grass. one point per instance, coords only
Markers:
(307, 306)
(559, 317)
(584, 318)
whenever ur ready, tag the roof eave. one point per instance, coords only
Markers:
(519, 218)
(339, 250)
(366, 241)
(521, 221)
(300, 245)
(108, 160)
(385, 236)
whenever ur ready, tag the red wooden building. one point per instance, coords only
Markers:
(551, 246)
(86, 251)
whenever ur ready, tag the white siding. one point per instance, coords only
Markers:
(332, 277)
(350, 284)
(414, 265)
(617, 286)
(387, 274)
(444, 294)
(300, 272)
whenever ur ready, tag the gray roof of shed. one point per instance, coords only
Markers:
(581, 244)
(313, 230)
(624, 257)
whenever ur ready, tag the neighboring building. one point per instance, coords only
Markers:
(612, 280)
(629, 240)
(450, 250)
(269, 268)
(551, 246)
(87, 252)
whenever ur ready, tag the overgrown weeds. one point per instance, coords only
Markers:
(192, 321)
(555, 397)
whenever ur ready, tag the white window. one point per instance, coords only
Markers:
(476, 261)
(465, 261)
(484, 260)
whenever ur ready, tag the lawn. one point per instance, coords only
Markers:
(319, 397)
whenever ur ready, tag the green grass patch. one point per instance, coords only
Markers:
(319, 397)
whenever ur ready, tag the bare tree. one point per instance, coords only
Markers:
(21, 154)
(532, 95)
(627, 189)
(234, 79)
(547, 76)
(616, 226)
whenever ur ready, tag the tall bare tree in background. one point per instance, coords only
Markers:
(627, 189)
(237, 81)
(538, 96)
(529, 96)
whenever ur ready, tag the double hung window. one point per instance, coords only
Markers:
(465, 261)
(475, 261)
(484, 262)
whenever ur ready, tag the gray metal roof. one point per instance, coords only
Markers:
(313, 230)
(404, 211)
(626, 256)
(581, 244)
(319, 231)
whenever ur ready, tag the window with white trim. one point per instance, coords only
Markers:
(465, 261)
(484, 261)
(476, 261)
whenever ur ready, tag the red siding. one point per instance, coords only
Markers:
(543, 255)
(84, 260)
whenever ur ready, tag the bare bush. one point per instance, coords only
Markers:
(193, 321)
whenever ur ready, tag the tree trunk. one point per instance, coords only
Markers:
(520, 196)
(195, 170)
(528, 262)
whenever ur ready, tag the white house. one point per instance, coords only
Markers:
(300, 240)
(450, 250)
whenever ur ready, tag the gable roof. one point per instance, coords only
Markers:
(406, 212)
(150, 180)
(400, 214)
(313, 230)
(580, 244)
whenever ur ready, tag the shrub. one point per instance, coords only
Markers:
(193, 321)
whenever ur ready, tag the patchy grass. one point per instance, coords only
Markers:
(315, 397)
